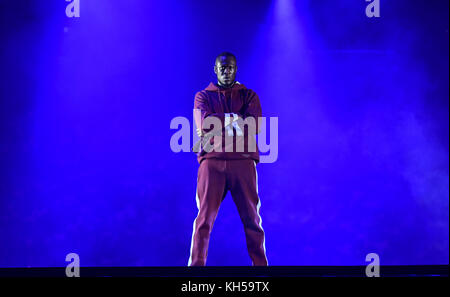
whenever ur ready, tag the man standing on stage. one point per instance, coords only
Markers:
(227, 160)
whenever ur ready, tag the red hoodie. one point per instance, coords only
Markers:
(217, 101)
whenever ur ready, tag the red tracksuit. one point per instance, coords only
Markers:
(220, 172)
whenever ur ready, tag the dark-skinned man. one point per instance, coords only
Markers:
(229, 162)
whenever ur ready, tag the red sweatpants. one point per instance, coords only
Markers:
(215, 178)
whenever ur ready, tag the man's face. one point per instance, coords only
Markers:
(225, 69)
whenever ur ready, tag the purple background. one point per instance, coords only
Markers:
(86, 103)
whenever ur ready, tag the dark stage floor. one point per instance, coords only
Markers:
(232, 271)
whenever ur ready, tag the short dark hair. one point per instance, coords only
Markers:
(224, 54)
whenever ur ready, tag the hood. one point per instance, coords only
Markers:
(213, 87)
